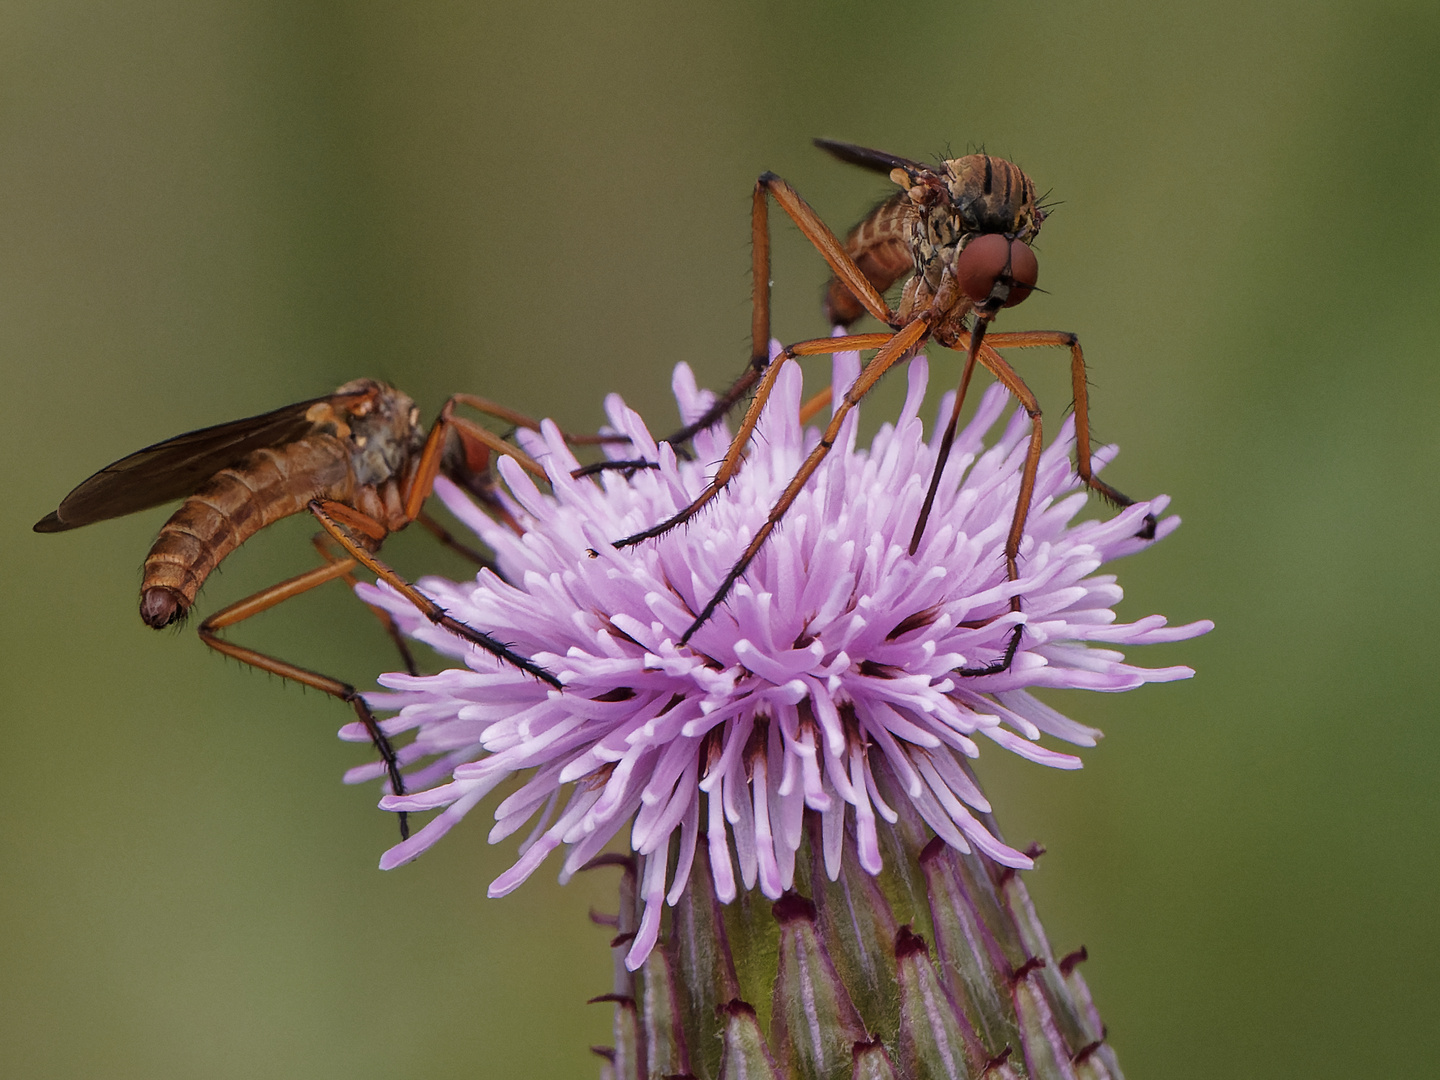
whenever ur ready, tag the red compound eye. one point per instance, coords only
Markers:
(981, 264)
(1024, 272)
(991, 258)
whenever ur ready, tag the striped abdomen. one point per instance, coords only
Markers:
(233, 506)
(880, 246)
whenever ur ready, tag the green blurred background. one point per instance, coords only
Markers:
(209, 210)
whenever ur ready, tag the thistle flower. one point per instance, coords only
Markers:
(837, 652)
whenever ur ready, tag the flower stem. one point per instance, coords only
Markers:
(936, 967)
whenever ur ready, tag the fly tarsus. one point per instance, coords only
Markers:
(628, 465)
(997, 666)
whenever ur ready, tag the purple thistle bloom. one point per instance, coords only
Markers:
(834, 647)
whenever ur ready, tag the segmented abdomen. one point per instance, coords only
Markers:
(233, 506)
(880, 246)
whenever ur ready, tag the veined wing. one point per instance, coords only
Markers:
(874, 160)
(174, 468)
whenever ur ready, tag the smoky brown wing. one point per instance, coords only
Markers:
(874, 160)
(174, 468)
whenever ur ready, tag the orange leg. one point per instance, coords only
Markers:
(477, 444)
(359, 534)
(1028, 339)
(984, 352)
(767, 187)
(730, 465)
(825, 242)
(342, 523)
(268, 598)
(992, 361)
(947, 440)
(520, 420)
(407, 658)
(899, 347)
(1016, 385)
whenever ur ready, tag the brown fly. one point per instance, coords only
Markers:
(358, 460)
(960, 233)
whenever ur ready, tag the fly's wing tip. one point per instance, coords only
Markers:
(51, 523)
(874, 160)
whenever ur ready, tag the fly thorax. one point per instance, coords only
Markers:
(935, 237)
(992, 195)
